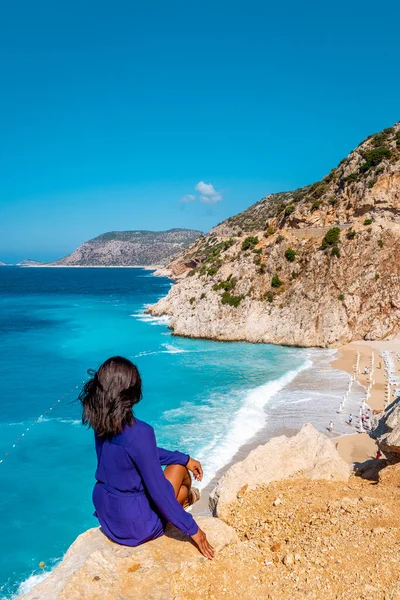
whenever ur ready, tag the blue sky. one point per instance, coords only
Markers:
(112, 112)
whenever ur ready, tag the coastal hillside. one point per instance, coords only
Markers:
(130, 248)
(29, 262)
(318, 266)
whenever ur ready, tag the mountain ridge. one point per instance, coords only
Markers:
(130, 248)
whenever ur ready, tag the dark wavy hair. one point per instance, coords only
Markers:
(108, 398)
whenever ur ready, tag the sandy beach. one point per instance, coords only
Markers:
(354, 447)
(359, 447)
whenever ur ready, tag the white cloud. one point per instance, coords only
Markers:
(208, 193)
(188, 198)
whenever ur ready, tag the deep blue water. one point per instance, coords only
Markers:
(205, 398)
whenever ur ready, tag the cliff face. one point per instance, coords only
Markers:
(130, 248)
(316, 533)
(319, 266)
(387, 432)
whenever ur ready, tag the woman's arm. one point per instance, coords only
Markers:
(144, 453)
(166, 457)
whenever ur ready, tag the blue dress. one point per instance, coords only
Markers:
(133, 499)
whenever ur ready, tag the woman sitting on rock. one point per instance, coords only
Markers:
(134, 499)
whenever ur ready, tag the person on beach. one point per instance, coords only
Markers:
(134, 498)
(350, 419)
(330, 426)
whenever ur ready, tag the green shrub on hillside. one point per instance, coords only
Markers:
(374, 157)
(319, 190)
(290, 254)
(226, 285)
(379, 139)
(341, 297)
(249, 242)
(351, 234)
(332, 200)
(335, 251)
(380, 243)
(351, 177)
(269, 231)
(331, 237)
(275, 281)
(226, 298)
(289, 209)
(315, 205)
(368, 221)
(269, 296)
(192, 300)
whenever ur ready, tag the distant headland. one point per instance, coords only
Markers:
(124, 249)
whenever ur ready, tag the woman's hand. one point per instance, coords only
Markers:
(194, 466)
(202, 543)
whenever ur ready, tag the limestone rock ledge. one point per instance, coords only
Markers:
(387, 432)
(94, 567)
(308, 454)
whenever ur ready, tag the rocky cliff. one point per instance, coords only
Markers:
(130, 248)
(319, 266)
(308, 454)
(295, 525)
(386, 432)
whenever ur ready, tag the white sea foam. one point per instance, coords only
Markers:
(42, 419)
(30, 583)
(141, 316)
(247, 421)
(70, 421)
(170, 349)
(308, 399)
(167, 349)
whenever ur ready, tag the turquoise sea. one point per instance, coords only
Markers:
(205, 398)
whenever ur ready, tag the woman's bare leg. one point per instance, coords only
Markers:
(181, 481)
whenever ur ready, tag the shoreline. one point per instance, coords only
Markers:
(354, 447)
(144, 267)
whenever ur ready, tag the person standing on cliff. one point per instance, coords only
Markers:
(133, 497)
